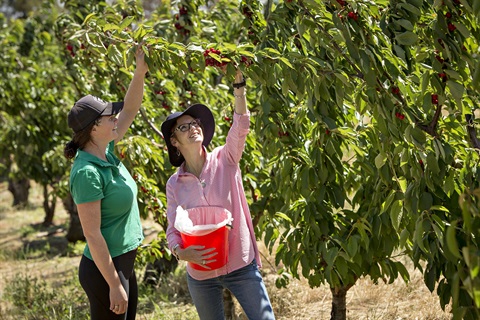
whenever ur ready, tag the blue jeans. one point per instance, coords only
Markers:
(245, 284)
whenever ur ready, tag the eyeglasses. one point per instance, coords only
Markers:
(186, 126)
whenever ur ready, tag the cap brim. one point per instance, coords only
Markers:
(197, 111)
(113, 108)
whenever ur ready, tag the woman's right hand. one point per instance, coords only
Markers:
(118, 299)
(198, 255)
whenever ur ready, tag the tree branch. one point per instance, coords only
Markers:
(431, 128)
(152, 126)
(472, 133)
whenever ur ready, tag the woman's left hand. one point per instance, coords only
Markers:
(140, 59)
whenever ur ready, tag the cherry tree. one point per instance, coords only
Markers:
(363, 145)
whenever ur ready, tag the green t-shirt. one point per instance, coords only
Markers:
(93, 179)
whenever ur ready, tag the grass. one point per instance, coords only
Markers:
(38, 280)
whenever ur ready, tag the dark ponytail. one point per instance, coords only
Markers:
(79, 141)
(70, 149)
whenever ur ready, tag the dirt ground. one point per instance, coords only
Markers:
(365, 300)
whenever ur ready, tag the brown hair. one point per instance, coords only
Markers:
(79, 140)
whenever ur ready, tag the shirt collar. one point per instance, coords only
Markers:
(113, 162)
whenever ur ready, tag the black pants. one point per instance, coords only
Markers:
(98, 291)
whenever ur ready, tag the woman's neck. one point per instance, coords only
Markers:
(194, 162)
(96, 150)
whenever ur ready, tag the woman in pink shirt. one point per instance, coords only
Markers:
(213, 179)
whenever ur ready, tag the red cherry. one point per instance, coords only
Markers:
(395, 90)
(399, 115)
(440, 59)
(353, 15)
(435, 98)
(451, 27)
(448, 15)
(342, 2)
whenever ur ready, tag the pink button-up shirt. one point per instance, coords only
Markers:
(220, 185)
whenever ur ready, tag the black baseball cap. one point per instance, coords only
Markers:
(197, 111)
(88, 109)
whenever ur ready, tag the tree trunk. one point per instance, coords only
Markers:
(75, 231)
(48, 206)
(20, 190)
(229, 307)
(339, 303)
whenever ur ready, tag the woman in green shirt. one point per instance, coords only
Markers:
(106, 199)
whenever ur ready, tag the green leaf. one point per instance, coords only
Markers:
(115, 55)
(452, 240)
(418, 234)
(352, 247)
(407, 38)
(110, 26)
(126, 22)
(456, 89)
(404, 23)
(283, 216)
(380, 160)
(432, 164)
(396, 214)
(409, 7)
(403, 238)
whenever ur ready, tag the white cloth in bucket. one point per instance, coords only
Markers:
(200, 221)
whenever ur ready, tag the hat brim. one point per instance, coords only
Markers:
(113, 108)
(197, 111)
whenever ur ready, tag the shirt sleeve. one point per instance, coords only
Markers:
(173, 235)
(235, 143)
(87, 186)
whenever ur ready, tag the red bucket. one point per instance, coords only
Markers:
(211, 226)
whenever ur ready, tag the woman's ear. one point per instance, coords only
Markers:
(173, 141)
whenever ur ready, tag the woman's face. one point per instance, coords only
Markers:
(187, 131)
(106, 128)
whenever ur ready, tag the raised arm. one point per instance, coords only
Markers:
(240, 94)
(235, 143)
(134, 96)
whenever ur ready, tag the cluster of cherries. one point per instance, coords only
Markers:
(210, 61)
(351, 14)
(182, 16)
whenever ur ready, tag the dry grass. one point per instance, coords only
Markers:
(397, 301)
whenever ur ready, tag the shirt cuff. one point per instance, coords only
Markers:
(243, 120)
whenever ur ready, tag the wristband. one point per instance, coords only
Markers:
(240, 84)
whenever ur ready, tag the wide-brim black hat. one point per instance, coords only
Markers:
(196, 111)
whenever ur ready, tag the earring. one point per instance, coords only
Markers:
(178, 153)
